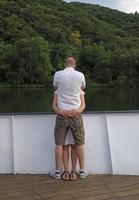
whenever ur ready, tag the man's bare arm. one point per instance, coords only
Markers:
(55, 106)
(56, 109)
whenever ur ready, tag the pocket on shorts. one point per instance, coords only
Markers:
(60, 122)
(78, 121)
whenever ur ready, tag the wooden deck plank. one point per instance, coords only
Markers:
(94, 187)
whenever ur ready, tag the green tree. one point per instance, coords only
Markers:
(104, 41)
(6, 55)
(31, 62)
(123, 82)
(75, 38)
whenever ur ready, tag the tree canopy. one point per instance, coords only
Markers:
(37, 36)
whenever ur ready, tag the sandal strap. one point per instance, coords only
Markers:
(65, 172)
(65, 175)
(72, 172)
(73, 175)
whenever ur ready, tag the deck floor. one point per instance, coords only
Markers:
(94, 187)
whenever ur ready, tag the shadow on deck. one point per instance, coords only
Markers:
(94, 187)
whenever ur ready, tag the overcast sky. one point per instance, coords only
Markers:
(129, 6)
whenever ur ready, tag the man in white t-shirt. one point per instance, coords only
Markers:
(69, 83)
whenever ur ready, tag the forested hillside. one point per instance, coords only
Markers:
(37, 36)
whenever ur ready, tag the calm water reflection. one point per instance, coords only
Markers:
(40, 99)
(109, 99)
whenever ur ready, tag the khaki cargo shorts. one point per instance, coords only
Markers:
(76, 126)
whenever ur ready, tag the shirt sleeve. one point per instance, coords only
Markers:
(83, 83)
(55, 81)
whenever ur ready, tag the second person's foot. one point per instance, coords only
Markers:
(73, 176)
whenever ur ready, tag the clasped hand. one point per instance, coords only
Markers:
(70, 113)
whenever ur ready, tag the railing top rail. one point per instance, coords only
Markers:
(86, 112)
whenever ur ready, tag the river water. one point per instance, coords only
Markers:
(40, 99)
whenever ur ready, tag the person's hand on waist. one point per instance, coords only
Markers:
(64, 113)
(73, 113)
(69, 113)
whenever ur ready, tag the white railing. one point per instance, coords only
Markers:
(112, 143)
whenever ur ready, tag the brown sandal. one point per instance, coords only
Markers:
(65, 176)
(73, 176)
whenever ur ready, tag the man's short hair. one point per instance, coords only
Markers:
(70, 62)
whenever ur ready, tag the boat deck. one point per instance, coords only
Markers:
(94, 187)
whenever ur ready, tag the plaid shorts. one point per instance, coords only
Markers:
(76, 126)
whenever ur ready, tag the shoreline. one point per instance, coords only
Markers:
(95, 85)
(23, 86)
(50, 85)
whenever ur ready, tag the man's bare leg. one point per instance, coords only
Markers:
(66, 157)
(74, 157)
(65, 175)
(58, 157)
(58, 161)
(80, 153)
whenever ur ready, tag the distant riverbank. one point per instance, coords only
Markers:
(90, 84)
(23, 86)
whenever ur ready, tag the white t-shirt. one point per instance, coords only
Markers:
(69, 83)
